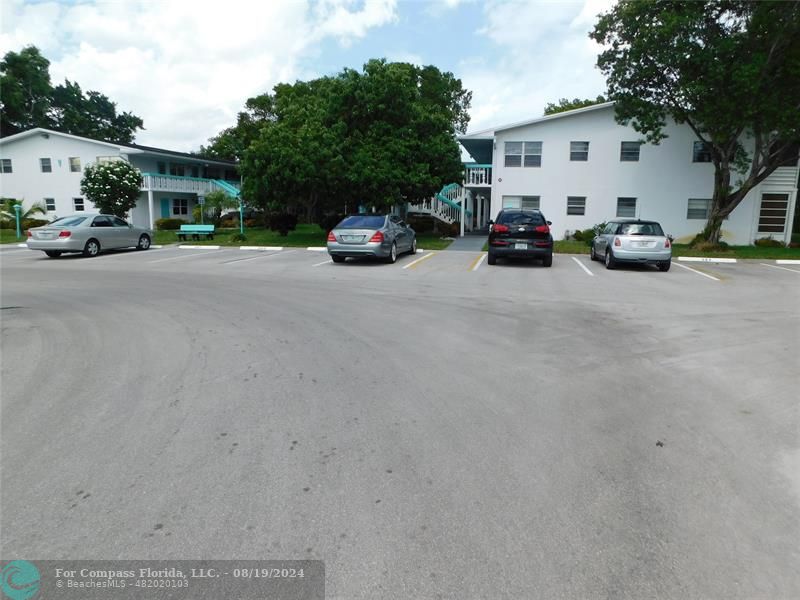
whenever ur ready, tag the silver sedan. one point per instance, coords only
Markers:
(88, 234)
(381, 236)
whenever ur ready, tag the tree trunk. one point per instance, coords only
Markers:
(720, 202)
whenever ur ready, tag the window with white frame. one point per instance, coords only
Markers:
(626, 207)
(532, 154)
(177, 169)
(698, 208)
(513, 153)
(180, 206)
(701, 152)
(77, 204)
(45, 165)
(526, 202)
(50, 204)
(101, 160)
(576, 205)
(579, 151)
(5, 165)
(629, 151)
(74, 164)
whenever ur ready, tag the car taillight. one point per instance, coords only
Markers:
(331, 237)
(376, 237)
(499, 228)
(542, 229)
(65, 234)
(28, 233)
(667, 243)
(617, 242)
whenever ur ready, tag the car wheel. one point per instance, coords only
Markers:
(664, 265)
(611, 263)
(144, 242)
(547, 261)
(491, 259)
(92, 248)
(592, 253)
(53, 253)
(337, 259)
(392, 258)
(414, 245)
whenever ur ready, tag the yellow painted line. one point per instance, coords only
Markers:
(477, 262)
(413, 264)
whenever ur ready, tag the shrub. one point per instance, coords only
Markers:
(328, 222)
(169, 224)
(238, 237)
(703, 246)
(228, 221)
(113, 187)
(250, 223)
(421, 224)
(28, 223)
(768, 242)
(283, 223)
(587, 235)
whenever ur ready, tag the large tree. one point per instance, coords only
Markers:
(728, 69)
(29, 100)
(565, 104)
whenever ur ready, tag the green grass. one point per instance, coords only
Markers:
(305, 235)
(9, 236)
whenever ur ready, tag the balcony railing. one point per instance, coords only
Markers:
(477, 175)
(193, 185)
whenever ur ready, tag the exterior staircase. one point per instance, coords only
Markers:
(444, 206)
(227, 187)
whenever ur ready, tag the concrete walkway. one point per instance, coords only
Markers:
(468, 243)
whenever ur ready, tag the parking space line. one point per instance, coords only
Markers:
(476, 264)
(238, 260)
(787, 261)
(583, 266)
(695, 271)
(324, 262)
(413, 264)
(781, 268)
(185, 256)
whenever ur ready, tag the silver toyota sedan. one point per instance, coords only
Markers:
(88, 234)
(632, 241)
(381, 236)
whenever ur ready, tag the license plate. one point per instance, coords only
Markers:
(642, 244)
(47, 236)
(352, 238)
(520, 246)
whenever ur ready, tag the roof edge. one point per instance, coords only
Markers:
(482, 134)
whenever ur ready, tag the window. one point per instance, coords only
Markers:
(698, 208)
(67, 221)
(362, 221)
(527, 202)
(513, 154)
(180, 206)
(119, 222)
(701, 153)
(101, 160)
(6, 165)
(523, 154)
(774, 209)
(78, 204)
(101, 222)
(195, 171)
(579, 151)
(177, 169)
(74, 164)
(626, 207)
(162, 168)
(645, 228)
(510, 217)
(45, 165)
(576, 205)
(629, 151)
(50, 204)
(211, 172)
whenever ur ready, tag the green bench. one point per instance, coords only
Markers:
(196, 231)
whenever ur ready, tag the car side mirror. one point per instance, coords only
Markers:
(670, 237)
(549, 222)
(490, 222)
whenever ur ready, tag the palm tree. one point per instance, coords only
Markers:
(8, 214)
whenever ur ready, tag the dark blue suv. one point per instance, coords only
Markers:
(520, 233)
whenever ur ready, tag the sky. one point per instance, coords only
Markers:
(186, 67)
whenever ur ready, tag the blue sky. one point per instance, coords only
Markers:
(187, 66)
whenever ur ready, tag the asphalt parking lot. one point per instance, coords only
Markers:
(436, 428)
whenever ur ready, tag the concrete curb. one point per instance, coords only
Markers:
(706, 259)
(185, 247)
(317, 248)
(787, 261)
(262, 248)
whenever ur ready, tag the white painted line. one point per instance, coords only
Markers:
(22, 245)
(238, 260)
(583, 266)
(477, 265)
(317, 248)
(787, 261)
(706, 259)
(419, 260)
(781, 268)
(184, 256)
(156, 246)
(324, 262)
(695, 271)
(420, 250)
(184, 247)
(262, 248)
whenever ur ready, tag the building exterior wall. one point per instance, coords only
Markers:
(662, 181)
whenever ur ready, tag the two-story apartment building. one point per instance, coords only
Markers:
(40, 165)
(582, 168)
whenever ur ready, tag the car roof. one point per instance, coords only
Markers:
(632, 221)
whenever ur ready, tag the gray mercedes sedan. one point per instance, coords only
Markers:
(88, 234)
(381, 236)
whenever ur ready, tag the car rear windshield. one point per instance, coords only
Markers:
(641, 229)
(362, 222)
(68, 221)
(521, 218)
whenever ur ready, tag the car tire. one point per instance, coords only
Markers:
(610, 261)
(414, 245)
(392, 258)
(491, 259)
(53, 253)
(144, 242)
(337, 259)
(664, 265)
(92, 248)
(592, 253)
(547, 261)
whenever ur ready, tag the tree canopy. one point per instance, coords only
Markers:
(374, 137)
(565, 104)
(29, 100)
(730, 70)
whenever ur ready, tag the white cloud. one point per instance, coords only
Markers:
(185, 67)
